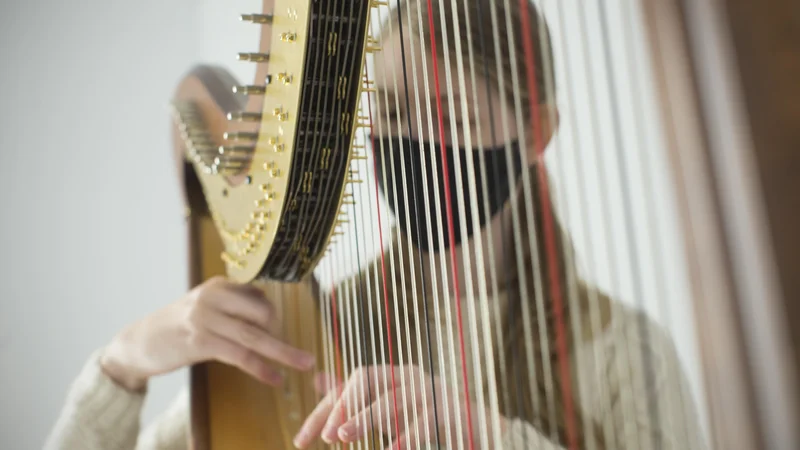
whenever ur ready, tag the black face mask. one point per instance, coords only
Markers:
(411, 156)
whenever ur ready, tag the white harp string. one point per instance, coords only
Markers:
(467, 133)
(515, 213)
(392, 265)
(583, 222)
(489, 347)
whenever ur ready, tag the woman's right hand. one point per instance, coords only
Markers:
(218, 320)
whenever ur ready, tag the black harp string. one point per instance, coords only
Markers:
(360, 298)
(583, 221)
(377, 295)
(430, 152)
(424, 289)
(454, 143)
(501, 359)
(612, 262)
(480, 266)
(348, 317)
(380, 276)
(402, 264)
(489, 347)
(621, 159)
(652, 226)
(392, 269)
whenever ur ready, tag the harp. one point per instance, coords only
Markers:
(281, 188)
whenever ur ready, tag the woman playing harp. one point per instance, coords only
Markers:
(569, 366)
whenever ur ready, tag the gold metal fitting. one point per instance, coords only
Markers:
(253, 57)
(240, 136)
(241, 116)
(280, 114)
(250, 90)
(236, 150)
(279, 147)
(285, 78)
(288, 37)
(256, 18)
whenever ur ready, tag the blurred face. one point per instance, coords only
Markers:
(406, 106)
(468, 110)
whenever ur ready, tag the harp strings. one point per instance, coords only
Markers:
(481, 272)
(549, 383)
(632, 254)
(424, 288)
(496, 313)
(393, 260)
(583, 222)
(430, 151)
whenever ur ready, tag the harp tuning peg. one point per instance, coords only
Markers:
(256, 18)
(250, 90)
(253, 57)
(378, 3)
(242, 116)
(288, 37)
(240, 136)
(285, 78)
(280, 114)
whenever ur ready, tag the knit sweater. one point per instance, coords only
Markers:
(608, 372)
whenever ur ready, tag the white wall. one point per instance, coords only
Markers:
(91, 230)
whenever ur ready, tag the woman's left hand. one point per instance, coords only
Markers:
(351, 410)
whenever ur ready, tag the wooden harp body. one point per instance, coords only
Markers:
(725, 79)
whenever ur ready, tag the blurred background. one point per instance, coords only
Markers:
(92, 233)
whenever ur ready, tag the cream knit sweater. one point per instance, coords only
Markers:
(100, 415)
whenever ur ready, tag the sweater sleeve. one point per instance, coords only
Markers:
(636, 396)
(101, 415)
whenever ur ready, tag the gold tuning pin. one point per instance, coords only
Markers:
(285, 78)
(250, 90)
(253, 57)
(280, 114)
(236, 150)
(256, 18)
(288, 37)
(377, 3)
(242, 116)
(240, 136)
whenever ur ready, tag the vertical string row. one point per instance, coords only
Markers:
(578, 173)
(496, 313)
(414, 188)
(451, 233)
(621, 159)
(429, 151)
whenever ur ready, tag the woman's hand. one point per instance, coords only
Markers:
(218, 320)
(330, 419)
